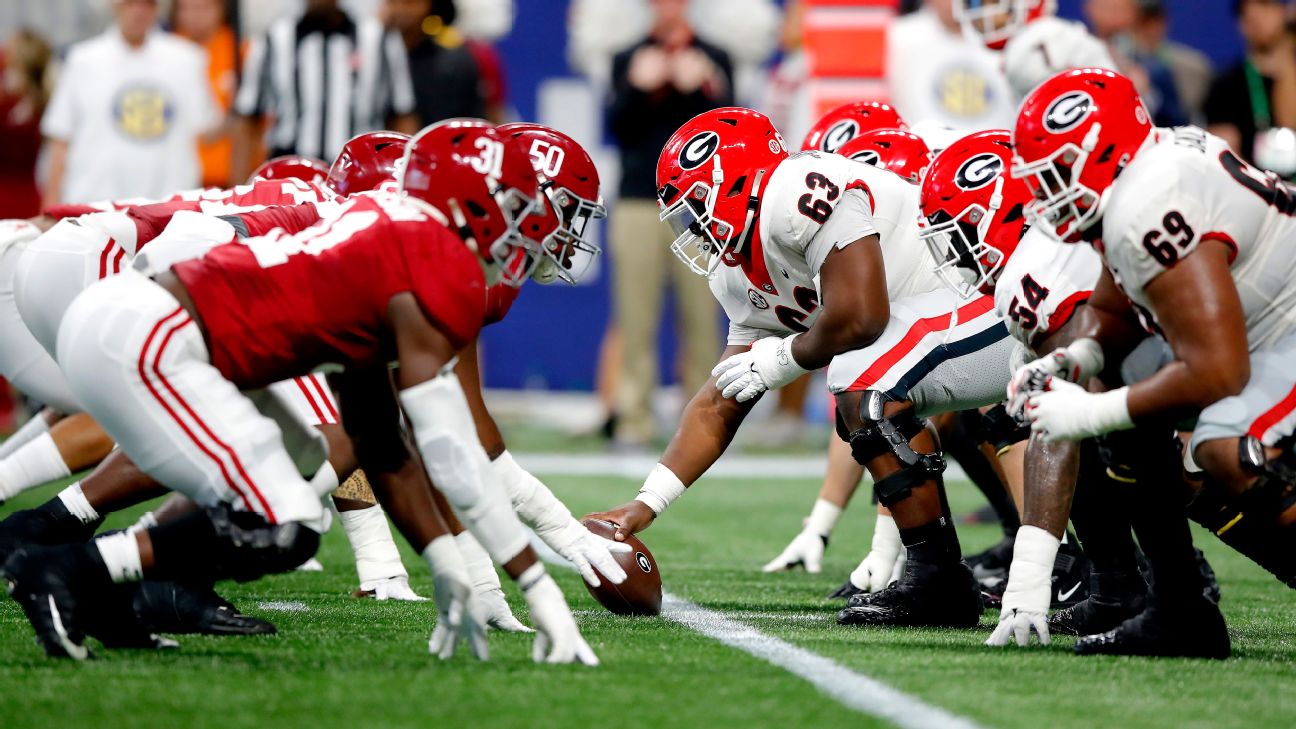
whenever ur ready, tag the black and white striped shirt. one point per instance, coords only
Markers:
(324, 85)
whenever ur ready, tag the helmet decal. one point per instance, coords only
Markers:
(868, 157)
(839, 134)
(698, 150)
(979, 171)
(1067, 111)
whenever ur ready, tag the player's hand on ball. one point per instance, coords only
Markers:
(459, 617)
(591, 554)
(629, 518)
(805, 550)
(558, 640)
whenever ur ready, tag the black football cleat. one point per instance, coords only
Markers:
(992, 592)
(46, 525)
(1113, 599)
(1210, 584)
(47, 602)
(186, 608)
(1070, 575)
(1192, 629)
(846, 591)
(938, 596)
(992, 564)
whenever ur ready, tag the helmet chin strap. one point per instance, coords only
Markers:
(753, 205)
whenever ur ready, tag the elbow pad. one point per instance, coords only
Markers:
(447, 440)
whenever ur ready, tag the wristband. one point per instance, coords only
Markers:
(660, 489)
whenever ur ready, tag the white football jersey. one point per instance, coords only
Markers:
(1048, 46)
(815, 202)
(1042, 283)
(1187, 187)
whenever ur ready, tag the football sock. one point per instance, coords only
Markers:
(33, 427)
(375, 552)
(34, 463)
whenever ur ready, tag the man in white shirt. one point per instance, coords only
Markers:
(127, 112)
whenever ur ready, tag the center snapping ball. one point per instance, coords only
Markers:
(641, 593)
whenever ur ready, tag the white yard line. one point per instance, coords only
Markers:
(284, 606)
(849, 688)
(638, 466)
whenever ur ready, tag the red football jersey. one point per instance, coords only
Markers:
(281, 306)
(499, 299)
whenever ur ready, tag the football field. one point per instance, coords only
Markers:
(735, 648)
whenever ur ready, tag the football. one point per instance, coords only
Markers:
(641, 593)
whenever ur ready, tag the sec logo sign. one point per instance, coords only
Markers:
(143, 113)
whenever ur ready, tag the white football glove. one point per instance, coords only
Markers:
(558, 640)
(805, 550)
(486, 588)
(589, 553)
(883, 562)
(458, 618)
(1076, 363)
(1066, 411)
(392, 588)
(1030, 586)
(768, 365)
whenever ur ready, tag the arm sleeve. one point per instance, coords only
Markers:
(254, 93)
(59, 120)
(851, 220)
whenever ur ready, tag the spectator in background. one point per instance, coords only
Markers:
(323, 78)
(1116, 23)
(657, 85)
(127, 113)
(937, 74)
(1190, 68)
(22, 101)
(446, 81)
(1259, 92)
(204, 23)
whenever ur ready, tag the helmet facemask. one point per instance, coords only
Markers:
(567, 252)
(703, 241)
(1063, 207)
(512, 254)
(965, 262)
(994, 22)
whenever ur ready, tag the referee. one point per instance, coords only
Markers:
(320, 78)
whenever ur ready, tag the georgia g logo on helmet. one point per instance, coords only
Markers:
(698, 150)
(979, 171)
(839, 134)
(868, 157)
(1067, 111)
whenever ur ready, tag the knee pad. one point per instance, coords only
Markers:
(1249, 523)
(881, 434)
(249, 547)
(1000, 429)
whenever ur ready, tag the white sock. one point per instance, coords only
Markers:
(481, 571)
(143, 524)
(77, 504)
(121, 556)
(30, 429)
(36, 462)
(376, 555)
(823, 517)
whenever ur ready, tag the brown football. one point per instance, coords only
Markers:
(641, 593)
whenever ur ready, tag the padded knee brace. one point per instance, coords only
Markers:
(882, 434)
(1001, 430)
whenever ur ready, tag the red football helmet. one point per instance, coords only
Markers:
(367, 161)
(1075, 133)
(709, 180)
(974, 212)
(996, 21)
(849, 121)
(570, 183)
(482, 183)
(903, 153)
(291, 167)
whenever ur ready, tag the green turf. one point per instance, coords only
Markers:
(346, 662)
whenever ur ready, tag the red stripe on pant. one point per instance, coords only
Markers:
(117, 259)
(320, 385)
(1273, 416)
(178, 319)
(310, 398)
(103, 258)
(920, 329)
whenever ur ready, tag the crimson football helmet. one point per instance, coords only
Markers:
(482, 183)
(849, 121)
(570, 184)
(292, 167)
(1075, 133)
(367, 161)
(973, 211)
(709, 180)
(997, 21)
(903, 153)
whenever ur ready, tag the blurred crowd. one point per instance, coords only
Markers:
(112, 99)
